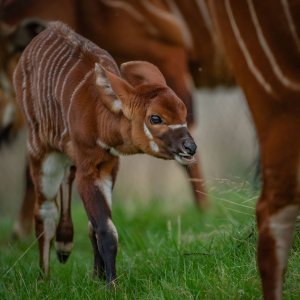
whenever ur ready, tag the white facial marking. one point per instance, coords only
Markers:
(176, 126)
(281, 228)
(53, 171)
(250, 63)
(105, 186)
(147, 132)
(154, 146)
(268, 52)
(8, 114)
(112, 228)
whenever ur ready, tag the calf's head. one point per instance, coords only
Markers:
(156, 114)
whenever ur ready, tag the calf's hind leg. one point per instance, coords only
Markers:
(47, 175)
(64, 231)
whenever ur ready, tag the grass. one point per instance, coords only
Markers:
(166, 251)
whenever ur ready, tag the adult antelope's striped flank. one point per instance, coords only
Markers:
(81, 113)
(261, 40)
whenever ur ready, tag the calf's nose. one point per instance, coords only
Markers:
(189, 146)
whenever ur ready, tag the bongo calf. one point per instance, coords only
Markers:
(82, 111)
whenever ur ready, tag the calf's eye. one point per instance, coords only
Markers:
(155, 119)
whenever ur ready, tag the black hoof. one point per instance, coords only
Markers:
(62, 256)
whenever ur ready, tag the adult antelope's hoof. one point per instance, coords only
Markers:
(63, 251)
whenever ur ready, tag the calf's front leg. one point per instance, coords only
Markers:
(95, 189)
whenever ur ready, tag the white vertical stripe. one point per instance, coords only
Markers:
(43, 73)
(289, 17)
(58, 80)
(62, 94)
(105, 186)
(76, 90)
(33, 59)
(250, 63)
(205, 15)
(187, 36)
(268, 52)
(47, 97)
(51, 96)
(38, 88)
(25, 101)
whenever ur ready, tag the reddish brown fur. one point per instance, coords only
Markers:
(276, 116)
(79, 107)
(144, 35)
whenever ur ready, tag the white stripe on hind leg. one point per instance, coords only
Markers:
(282, 227)
(48, 213)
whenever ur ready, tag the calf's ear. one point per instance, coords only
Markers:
(142, 72)
(119, 94)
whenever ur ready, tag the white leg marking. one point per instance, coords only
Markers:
(105, 185)
(250, 63)
(281, 228)
(48, 213)
(53, 171)
(288, 15)
(64, 247)
(268, 52)
(112, 228)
